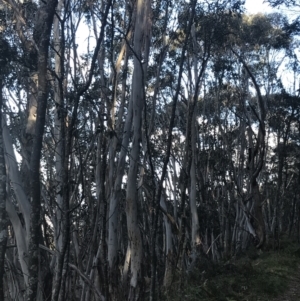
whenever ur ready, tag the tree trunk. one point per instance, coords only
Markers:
(137, 99)
(3, 215)
(196, 241)
(42, 37)
(116, 195)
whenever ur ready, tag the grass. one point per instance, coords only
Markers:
(244, 279)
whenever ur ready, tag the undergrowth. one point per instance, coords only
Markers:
(253, 277)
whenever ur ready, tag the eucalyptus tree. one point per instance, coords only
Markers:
(4, 50)
(3, 215)
(232, 114)
(34, 37)
(37, 45)
(132, 139)
(280, 41)
(282, 123)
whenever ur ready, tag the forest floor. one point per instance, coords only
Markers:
(272, 275)
(293, 291)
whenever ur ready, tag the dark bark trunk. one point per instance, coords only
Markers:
(292, 215)
(259, 223)
(103, 200)
(3, 216)
(42, 38)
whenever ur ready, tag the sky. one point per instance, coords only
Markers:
(257, 6)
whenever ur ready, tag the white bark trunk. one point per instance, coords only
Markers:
(116, 195)
(134, 234)
(196, 241)
(15, 178)
(20, 235)
(168, 246)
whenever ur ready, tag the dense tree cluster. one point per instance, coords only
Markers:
(140, 138)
